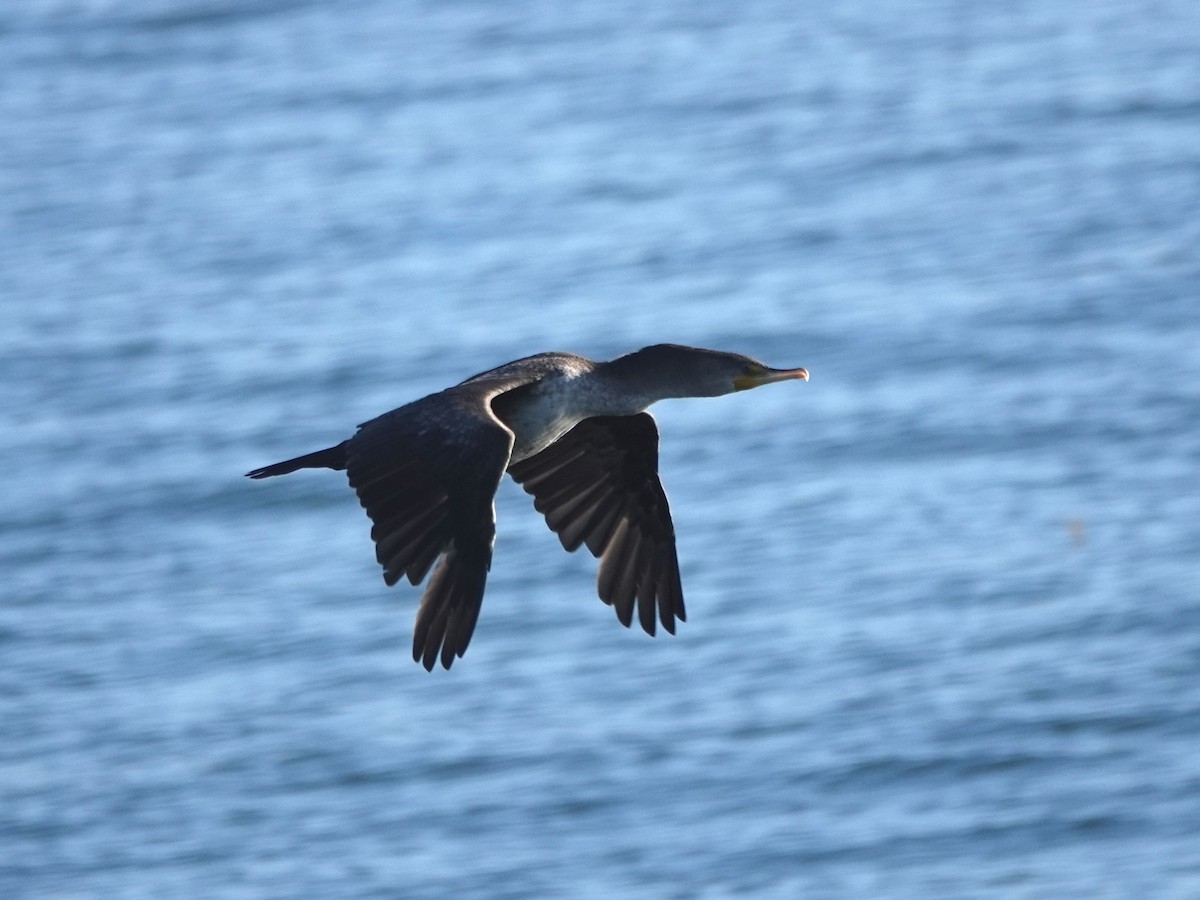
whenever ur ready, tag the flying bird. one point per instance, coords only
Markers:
(573, 433)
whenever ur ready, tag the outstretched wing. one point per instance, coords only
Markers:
(427, 475)
(598, 485)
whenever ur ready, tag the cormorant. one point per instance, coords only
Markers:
(574, 434)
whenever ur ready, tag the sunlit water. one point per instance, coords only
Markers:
(944, 633)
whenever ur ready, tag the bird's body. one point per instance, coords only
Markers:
(574, 434)
(552, 395)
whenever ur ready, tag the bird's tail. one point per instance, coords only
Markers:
(329, 458)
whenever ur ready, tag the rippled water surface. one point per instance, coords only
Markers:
(944, 634)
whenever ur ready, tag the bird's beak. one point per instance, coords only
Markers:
(768, 376)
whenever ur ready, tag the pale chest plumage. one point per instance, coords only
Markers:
(545, 411)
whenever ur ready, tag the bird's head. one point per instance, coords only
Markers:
(694, 372)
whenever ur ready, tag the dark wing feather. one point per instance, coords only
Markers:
(427, 474)
(598, 485)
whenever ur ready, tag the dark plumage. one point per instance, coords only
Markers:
(572, 432)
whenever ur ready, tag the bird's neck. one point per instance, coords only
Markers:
(632, 383)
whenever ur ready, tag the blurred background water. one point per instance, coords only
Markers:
(945, 629)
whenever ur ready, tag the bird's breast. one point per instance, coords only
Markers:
(537, 427)
(542, 413)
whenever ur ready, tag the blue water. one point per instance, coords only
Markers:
(944, 634)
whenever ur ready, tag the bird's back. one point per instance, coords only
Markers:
(534, 368)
